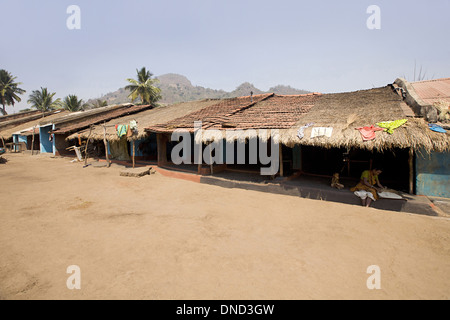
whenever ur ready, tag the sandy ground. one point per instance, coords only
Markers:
(161, 238)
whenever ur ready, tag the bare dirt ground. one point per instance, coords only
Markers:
(161, 238)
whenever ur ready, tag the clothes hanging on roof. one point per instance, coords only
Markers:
(390, 126)
(321, 131)
(133, 125)
(300, 132)
(129, 132)
(436, 128)
(368, 133)
(121, 130)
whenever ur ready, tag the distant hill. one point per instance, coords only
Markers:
(178, 88)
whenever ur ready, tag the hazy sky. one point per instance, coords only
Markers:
(321, 46)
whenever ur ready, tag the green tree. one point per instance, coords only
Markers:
(99, 103)
(72, 104)
(9, 90)
(144, 88)
(43, 100)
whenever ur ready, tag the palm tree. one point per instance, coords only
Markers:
(99, 103)
(43, 100)
(144, 87)
(9, 90)
(72, 104)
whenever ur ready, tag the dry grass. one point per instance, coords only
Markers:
(347, 111)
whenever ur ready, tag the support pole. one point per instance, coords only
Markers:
(106, 147)
(134, 152)
(162, 149)
(200, 159)
(411, 170)
(86, 149)
(211, 162)
(32, 141)
(281, 160)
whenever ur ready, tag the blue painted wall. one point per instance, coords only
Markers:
(137, 152)
(433, 174)
(150, 146)
(23, 139)
(46, 144)
(18, 138)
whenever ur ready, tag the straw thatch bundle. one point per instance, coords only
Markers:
(346, 111)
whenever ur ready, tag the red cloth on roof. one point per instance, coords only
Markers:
(368, 133)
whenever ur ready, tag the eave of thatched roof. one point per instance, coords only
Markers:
(144, 119)
(345, 112)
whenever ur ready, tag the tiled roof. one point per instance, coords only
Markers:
(277, 112)
(213, 114)
(432, 91)
(266, 111)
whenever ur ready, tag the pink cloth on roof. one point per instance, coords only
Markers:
(368, 133)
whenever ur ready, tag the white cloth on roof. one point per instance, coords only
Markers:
(300, 132)
(321, 131)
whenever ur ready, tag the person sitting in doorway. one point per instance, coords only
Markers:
(368, 186)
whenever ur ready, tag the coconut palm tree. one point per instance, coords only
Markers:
(72, 104)
(99, 103)
(43, 100)
(9, 90)
(144, 88)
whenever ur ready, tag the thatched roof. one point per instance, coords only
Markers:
(346, 111)
(18, 115)
(26, 126)
(144, 119)
(30, 116)
(84, 121)
(342, 111)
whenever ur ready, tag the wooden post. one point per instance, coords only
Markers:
(411, 170)
(200, 159)
(210, 161)
(86, 149)
(106, 146)
(32, 141)
(133, 152)
(281, 160)
(162, 149)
